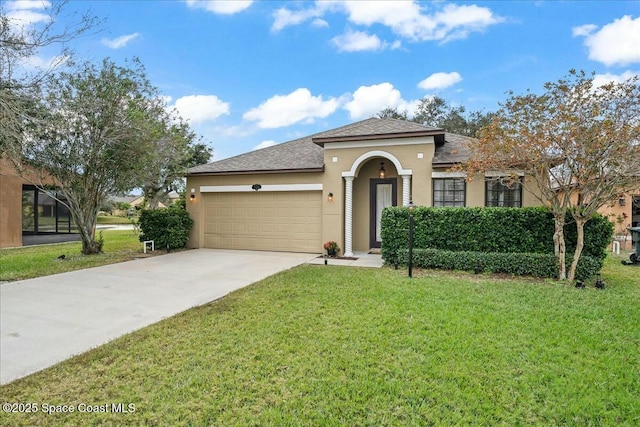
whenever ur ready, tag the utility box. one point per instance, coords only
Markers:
(635, 236)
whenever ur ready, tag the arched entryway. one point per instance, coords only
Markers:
(366, 194)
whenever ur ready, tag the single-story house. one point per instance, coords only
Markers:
(26, 210)
(334, 185)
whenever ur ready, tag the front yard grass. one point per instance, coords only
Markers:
(113, 219)
(35, 261)
(331, 346)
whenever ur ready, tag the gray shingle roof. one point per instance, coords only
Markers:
(299, 154)
(305, 155)
(454, 150)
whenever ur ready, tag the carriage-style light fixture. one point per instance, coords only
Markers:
(193, 195)
(330, 197)
(382, 173)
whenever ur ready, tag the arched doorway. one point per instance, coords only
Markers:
(367, 193)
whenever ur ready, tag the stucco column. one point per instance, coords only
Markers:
(348, 215)
(406, 189)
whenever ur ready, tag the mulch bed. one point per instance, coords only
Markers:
(348, 258)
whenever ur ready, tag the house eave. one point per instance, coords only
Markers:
(444, 165)
(369, 137)
(253, 172)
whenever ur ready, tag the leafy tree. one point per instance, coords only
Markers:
(436, 112)
(173, 152)
(92, 138)
(579, 143)
(393, 113)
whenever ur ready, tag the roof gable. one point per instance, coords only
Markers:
(307, 154)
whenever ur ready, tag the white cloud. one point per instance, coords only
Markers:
(357, 41)
(23, 14)
(285, 110)
(40, 63)
(615, 43)
(221, 7)
(407, 19)
(264, 144)
(354, 41)
(119, 42)
(370, 100)
(201, 108)
(440, 81)
(320, 23)
(27, 4)
(583, 30)
(284, 17)
(603, 79)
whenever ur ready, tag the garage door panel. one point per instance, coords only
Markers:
(278, 221)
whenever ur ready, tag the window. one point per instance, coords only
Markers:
(449, 192)
(42, 213)
(501, 195)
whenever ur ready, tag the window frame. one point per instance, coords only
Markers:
(503, 188)
(444, 203)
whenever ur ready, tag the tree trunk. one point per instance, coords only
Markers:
(86, 223)
(559, 246)
(579, 245)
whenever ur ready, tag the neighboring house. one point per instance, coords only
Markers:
(333, 186)
(624, 212)
(25, 210)
(137, 201)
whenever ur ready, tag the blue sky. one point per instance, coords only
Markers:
(251, 74)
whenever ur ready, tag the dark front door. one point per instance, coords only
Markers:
(384, 193)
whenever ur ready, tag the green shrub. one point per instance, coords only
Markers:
(598, 232)
(168, 227)
(494, 230)
(519, 264)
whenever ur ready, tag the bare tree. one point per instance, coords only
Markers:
(22, 37)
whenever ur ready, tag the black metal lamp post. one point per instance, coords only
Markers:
(411, 207)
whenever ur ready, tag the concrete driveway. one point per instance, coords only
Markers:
(46, 320)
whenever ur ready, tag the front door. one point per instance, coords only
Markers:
(383, 194)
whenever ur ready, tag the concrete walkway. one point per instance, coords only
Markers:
(360, 259)
(46, 320)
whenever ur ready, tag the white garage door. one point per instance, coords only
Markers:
(266, 221)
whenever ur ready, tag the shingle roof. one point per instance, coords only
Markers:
(376, 126)
(305, 155)
(299, 154)
(454, 150)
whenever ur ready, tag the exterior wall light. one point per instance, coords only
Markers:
(382, 173)
(193, 195)
(256, 187)
(622, 201)
(330, 197)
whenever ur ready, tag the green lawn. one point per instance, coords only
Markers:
(35, 261)
(329, 346)
(110, 219)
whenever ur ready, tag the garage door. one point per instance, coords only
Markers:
(272, 221)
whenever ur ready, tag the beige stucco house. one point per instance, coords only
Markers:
(333, 186)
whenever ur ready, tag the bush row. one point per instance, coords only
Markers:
(506, 230)
(168, 227)
(520, 264)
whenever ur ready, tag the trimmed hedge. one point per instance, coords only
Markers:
(168, 227)
(521, 231)
(520, 264)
